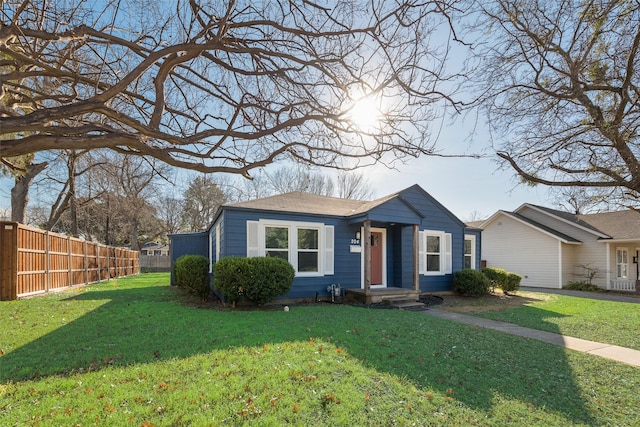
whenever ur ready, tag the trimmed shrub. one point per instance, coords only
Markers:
(502, 279)
(497, 276)
(192, 272)
(258, 279)
(272, 277)
(470, 282)
(512, 283)
(231, 277)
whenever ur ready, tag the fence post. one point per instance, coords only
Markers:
(9, 261)
(85, 249)
(70, 261)
(48, 249)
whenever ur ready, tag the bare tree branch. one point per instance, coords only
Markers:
(560, 84)
(222, 87)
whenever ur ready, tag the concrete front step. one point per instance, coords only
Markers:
(414, 305)
(403, 302)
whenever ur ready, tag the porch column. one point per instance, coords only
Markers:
(367, 257)
(416, 259)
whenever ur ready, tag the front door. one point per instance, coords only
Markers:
(376, 258)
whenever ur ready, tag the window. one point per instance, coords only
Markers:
(470, 252)
(622, 263)
(308, 249)
(434, 252)
(276, 242)
(307, 246)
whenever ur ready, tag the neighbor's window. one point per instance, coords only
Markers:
(308, 249)
(622, 263)
(276, 242)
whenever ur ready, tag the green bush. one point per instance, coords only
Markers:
(581, 286)
(231, 277)
(258, 279)
(470, 282)
(272, 277)
(497, 276)
(512, 283)
(192, 272)
(502, 279)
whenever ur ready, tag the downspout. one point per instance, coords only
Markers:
(559, 264)
(608, 261)
(416, 259)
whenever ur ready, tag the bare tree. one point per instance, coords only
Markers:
(352, 185)
(201, 202)
(23, 175)
(560, 83)
(223, 86)
(286, 179)
(169, 209)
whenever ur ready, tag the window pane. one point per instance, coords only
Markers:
(467, 262)
(433, 243)
(279, 254)
(276, 237)
(467, 247)
(307, 238)
(433, 262)
(307, 261)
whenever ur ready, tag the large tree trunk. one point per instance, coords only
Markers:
(20, 191)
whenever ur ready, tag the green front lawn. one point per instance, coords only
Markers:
(127, 352)
(609, 322)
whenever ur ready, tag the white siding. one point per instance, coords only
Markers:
(592, 254)
(516, 247)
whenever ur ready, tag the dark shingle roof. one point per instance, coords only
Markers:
(568, 216)
(619, 225)
(544, 227)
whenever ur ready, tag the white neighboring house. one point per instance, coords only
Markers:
(550, 248)
(155, 249)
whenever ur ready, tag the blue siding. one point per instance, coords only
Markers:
(188, 244)
(397, 215)
(347, 264)
(394, 211)
(436, 217)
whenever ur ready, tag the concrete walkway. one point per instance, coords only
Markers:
(614, 352)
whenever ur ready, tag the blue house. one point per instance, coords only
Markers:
(406, 242)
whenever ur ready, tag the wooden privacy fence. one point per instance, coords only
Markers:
(34, 261)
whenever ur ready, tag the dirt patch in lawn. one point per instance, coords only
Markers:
(492, 302)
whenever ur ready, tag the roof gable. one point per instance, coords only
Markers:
(565, 217)
(531, 224)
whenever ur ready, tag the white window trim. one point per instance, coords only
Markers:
(445, 252)
(325, 248)
(626, 250)
(473, 249)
